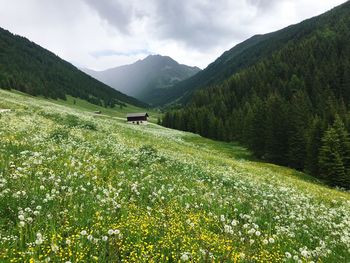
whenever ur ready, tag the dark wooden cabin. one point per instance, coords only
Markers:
(137, 118)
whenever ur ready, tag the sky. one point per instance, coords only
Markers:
(101, 34)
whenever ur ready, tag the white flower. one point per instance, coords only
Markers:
(83, 233)
(304, 253)
(228, 229)
(222, 218)
(21, 217)
(110, 232)
(257, 233)
(251, 231)
(288, 255)
(271, 240)
(265, 241)
(234, 222)
(185, 257)
(39, 241)
(90, 237)
(22, 223)
(54, 248)
(105, 238)
(68, 242)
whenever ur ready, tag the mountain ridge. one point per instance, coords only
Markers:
(242, 56)
(144, 78)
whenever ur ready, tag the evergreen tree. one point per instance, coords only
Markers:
(276, 130)
(313, 147)
(331, 165)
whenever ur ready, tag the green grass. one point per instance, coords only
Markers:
(80, 187)
(83, 105)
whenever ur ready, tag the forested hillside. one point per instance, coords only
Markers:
(145, 79)
(245, 55)
(27, 67)
(290, 107)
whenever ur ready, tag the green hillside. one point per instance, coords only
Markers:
(289, 108)
(254, 50)
(27, 67)
(76, 187)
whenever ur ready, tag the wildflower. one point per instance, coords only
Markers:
(39, 239)
(251, 231)
(288, 255)
(54, 248)
(83, 233)
(105, 238)
(234, 222)
(271, 240)
(222, 218)
(21, 217)
(185, 256)
(305, 253)
(228, 229)
(22, 223)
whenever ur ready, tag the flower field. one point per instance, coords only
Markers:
(75, 187)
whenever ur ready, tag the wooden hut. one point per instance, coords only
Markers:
(137, 118)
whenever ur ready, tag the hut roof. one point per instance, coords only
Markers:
(139, 114)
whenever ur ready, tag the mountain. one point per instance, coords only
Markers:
(242, 56)
(27, 67)
(287, 99)
(145, 78)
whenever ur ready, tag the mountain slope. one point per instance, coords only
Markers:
(27, 67)
(244, 55)
(291, 107)
(151, 194)
(144, 78)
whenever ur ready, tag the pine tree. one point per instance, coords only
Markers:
(298, 119)
(314, 138)
(276, 130)
(331, 159)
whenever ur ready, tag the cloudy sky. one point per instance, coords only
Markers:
(100, 34)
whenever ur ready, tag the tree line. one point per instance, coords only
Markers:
(291, 108)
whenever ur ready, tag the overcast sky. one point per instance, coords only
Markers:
(100, 34)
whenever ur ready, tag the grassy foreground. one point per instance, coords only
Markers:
(81, 188)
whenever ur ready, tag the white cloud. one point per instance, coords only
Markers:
(107, 33)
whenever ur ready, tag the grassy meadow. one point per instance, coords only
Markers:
(79, 187)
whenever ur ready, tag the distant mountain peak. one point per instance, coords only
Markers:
(145, 77)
